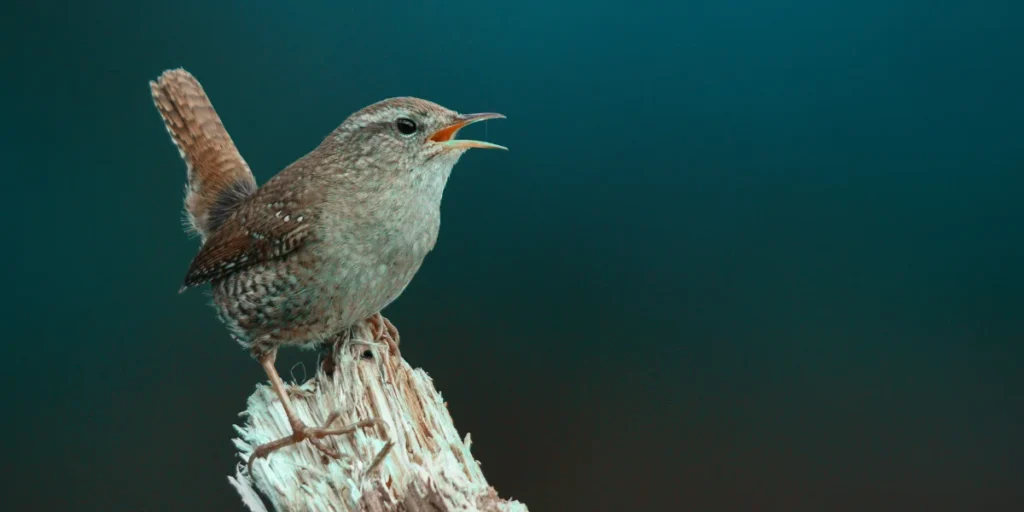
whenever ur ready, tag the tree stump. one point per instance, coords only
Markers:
(412, 459)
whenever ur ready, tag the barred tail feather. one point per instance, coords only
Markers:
(218, 178)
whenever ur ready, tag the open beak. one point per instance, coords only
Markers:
(446, 135)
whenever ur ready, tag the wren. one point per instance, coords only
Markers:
(325, 244)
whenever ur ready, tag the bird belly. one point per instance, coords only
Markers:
(367, 262)
(274, 304)
(362, 283)
(310, 297)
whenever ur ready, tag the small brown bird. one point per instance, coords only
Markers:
(329, 241)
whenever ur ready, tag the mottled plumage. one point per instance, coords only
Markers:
(329, 241)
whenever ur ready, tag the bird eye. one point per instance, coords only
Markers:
(406, 126)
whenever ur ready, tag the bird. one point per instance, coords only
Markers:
(325, 244)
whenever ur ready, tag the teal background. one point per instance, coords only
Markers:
(742, 255)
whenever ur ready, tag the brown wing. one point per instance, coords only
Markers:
(273, 222)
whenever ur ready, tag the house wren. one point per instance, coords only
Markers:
(329, 241)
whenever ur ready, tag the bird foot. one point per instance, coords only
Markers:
(384, 330)
(300, 432)
(298, 391)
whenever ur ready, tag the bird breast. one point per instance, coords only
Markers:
(373, 243)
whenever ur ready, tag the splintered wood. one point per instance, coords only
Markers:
(412, 460)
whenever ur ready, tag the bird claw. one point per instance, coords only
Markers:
(298, 391)
(384, 330)
(315, 436)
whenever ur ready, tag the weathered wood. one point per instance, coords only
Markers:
(412, 460)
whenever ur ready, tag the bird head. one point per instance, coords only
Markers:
(408, 135)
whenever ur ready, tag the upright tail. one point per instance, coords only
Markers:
(218, 178)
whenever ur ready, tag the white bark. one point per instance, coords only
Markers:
(428, 467)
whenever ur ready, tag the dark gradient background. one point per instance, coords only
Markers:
(742, 255)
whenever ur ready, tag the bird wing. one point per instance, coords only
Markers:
(274, 222)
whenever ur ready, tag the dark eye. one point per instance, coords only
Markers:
(406, 126)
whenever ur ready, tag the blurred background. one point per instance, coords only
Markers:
(742, 255)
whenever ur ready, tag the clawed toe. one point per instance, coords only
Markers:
(377, 325)
(314, 435)
(392, 331)
(384, 330)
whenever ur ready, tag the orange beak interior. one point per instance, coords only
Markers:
(447, 134)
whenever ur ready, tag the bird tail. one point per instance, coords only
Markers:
(218, 178)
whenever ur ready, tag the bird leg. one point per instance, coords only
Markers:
(384, 330)
(300, 431)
